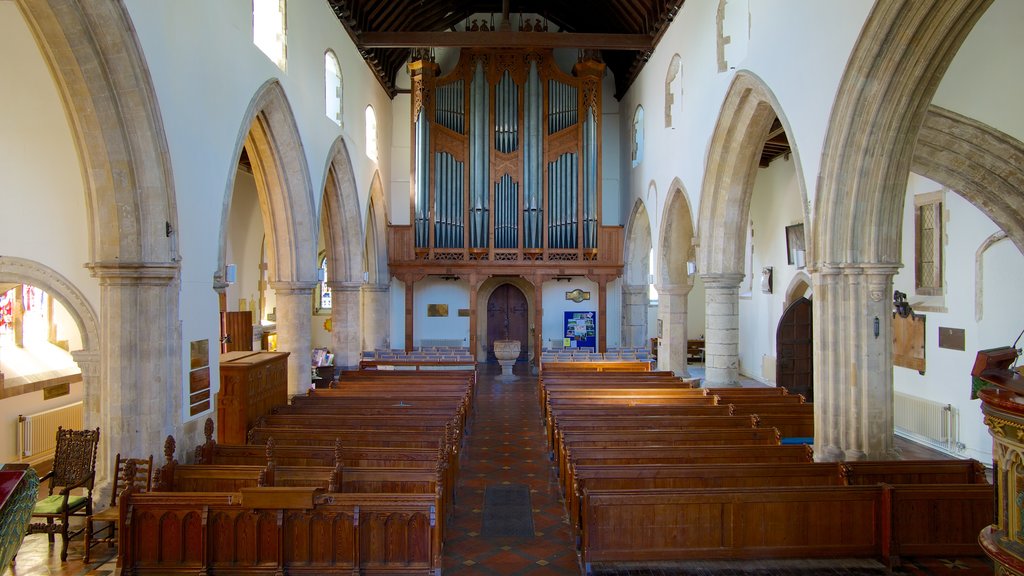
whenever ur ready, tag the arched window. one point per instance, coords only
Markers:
(323, 290)
(332, 83)
(638, 136)
(268, 29)
(673, 91)
(371, 134)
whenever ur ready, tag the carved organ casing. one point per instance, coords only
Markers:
(506, 164)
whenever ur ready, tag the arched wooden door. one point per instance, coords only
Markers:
(507, 319)
(794, 349)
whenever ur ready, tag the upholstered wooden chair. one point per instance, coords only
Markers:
(141, 481)
(74, 469)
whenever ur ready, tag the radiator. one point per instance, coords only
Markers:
(37, 433)
(939, 423)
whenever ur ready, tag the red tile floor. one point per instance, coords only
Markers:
(506, 445)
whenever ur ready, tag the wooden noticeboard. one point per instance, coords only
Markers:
(908, 342)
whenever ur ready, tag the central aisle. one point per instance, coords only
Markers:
(505, 449)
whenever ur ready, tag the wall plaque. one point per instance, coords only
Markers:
(951, 338)
(437, 310)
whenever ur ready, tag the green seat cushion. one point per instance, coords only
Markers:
(53, 504)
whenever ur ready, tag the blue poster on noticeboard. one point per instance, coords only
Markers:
(581, 330)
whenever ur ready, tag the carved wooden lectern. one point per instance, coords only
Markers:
(1002, 394)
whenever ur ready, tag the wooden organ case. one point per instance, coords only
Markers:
(506, 162)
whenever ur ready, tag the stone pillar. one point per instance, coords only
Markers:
(376, 315)
(635, 301)
(294, 321)
(853, 395)
(722, 329)
(672, 306)
(93, 417)
(346, 329)
(134, 383)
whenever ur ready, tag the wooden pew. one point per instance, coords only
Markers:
(879, 521)
(596, 366)
(279, 530)
(693, 476)
(748, 390)
(866, 472)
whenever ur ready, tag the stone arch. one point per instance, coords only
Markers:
(635, 277)
(483, 294)
(340, 214)
(976, 161)
(271, 139)
(377, 288)
(882, 101)
(111, 105)
(747, 114)
(673, 89)
(799, 287)
(675, 249)
(24, 271)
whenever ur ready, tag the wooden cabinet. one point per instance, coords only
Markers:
(251, 383)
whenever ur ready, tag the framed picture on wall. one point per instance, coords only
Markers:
(795, 251)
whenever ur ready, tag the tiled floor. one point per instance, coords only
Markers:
(506, 446)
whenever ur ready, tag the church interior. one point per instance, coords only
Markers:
(588, 220)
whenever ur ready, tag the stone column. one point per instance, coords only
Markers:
(134, 384)
(853, 396)
(635, 301)
(93, 417)
(672, 306)
(376, 315)
(346, 328)
(294, 321)
(722, 329)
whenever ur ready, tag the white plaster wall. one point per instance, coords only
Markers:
(66, 327)
(42, 192)
(205, 82)
(774, 205)
(947, 375)
(555, 306)
(803, 80)
(983, 80)
(245, 243)
(437, 291)
(41, 187)
(400, 209)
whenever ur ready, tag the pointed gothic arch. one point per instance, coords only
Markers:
(883, 99)
(377, 288)
(675, 250)
(635, 277)
(271, 140)
(110, 101)
(747, 114)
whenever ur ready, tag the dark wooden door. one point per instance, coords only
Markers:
(794, 351)
(507, 319)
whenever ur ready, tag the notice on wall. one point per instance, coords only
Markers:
(581, 329)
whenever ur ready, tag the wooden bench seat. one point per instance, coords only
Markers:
(756, 400)
(262, 530)
(748, 390)
(865, 472)
(880, 521)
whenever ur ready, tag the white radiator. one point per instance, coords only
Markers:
(939, 423)
(37, 433)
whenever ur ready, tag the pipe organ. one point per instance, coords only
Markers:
(506, 161)
(506, 181)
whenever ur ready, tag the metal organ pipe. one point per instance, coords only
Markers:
(422, 196)
(590, 181)
(479, 158)
(532, 209)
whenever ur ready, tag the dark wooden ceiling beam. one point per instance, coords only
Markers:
(642, 42)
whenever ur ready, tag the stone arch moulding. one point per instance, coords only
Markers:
(23, 271)
(376, 234)
(676, 246)
(883, 98)
(732, 162)
(979, 272)
(638, 245)
(116, 124)
(483, 294)
(798, 287)
(976, 161)
(271, 137)
(344, 233)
